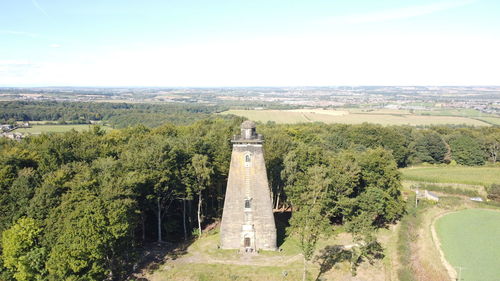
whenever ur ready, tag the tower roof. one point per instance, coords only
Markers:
(248, 125)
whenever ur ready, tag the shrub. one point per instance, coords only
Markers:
(494, 192)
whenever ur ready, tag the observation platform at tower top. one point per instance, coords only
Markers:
(248, 134)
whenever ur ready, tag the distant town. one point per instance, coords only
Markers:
(484, 99)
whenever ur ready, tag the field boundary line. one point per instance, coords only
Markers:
(452, 273)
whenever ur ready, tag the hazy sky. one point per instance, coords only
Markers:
(249, 43)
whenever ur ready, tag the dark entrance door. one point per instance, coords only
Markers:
(246, 242)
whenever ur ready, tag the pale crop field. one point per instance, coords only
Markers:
(470, 239)
(484, 176)
(392, 117)
(38, 129)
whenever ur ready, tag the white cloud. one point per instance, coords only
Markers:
(54, 45)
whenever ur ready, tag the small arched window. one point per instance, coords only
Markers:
(248, 160)
(247, 203)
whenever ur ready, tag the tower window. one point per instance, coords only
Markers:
(247, 158)
(247, 203)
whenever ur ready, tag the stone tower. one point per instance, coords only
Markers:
(247, 218)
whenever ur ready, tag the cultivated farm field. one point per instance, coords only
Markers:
(39, 128)
(469, 239)
(484, 176)
(344, 116)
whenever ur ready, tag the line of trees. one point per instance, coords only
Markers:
(78, 206)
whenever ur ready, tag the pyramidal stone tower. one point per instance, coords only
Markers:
(247, 219)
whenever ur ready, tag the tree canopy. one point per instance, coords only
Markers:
(79, 205)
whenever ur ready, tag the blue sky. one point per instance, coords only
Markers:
(249, 43)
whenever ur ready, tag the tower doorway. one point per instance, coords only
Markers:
(246, 242)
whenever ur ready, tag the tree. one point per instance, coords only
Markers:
(390, 138)
(380, 181)
(493, 146)
(202, 174)
(276, 146)
(428, 146)
(91, 229)
(82, 244)
(310, 217)
(467, 150)
(154, 158)
(494, 192)
(22, 253)
(17, 172)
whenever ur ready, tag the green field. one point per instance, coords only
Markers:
(470, 239)
(384, 117)
(484, 176)
(38, 129)
(491, 120)
(454, 112)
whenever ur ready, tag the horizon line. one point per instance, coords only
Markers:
(261, 86)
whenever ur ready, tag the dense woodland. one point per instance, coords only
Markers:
(118, 115)
(79, 206)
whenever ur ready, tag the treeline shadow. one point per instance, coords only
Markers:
(355, 255)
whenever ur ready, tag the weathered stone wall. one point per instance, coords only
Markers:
(248, 181)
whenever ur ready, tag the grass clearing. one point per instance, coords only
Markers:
(202, 260)
(39, 128)
(484, 176)
(223, 272)
(469, 238)
(383, 117)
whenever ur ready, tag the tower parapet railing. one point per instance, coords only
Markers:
(258, 138)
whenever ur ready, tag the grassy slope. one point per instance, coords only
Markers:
(484, 176)
(469, 238)
(382, 117)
